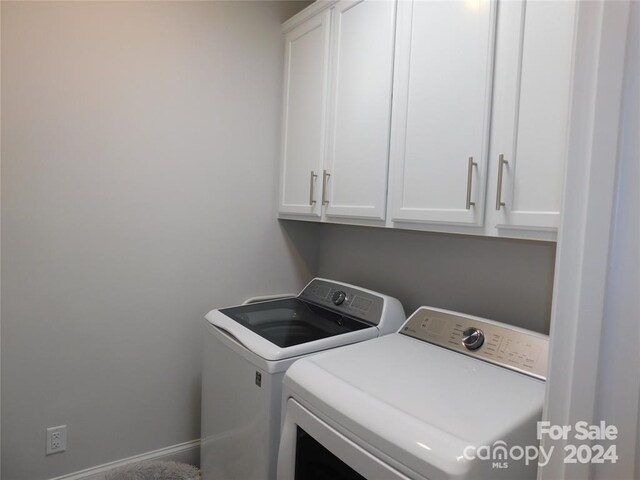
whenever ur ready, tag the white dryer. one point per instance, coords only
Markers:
(247, 350)
(430, 402)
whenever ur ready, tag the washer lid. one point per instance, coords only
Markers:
(281, 329)
(325, 315)
(418, 403)
(292, 321)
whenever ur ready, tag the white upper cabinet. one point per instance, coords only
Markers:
(473, 139)
(305, 98)
(441, 111)
(362, 39)
(337, 112)
(533, 81)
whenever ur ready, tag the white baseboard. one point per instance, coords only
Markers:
(187, 452)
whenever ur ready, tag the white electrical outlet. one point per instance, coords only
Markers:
(56, 439)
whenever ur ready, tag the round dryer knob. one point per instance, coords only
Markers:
(472, 338)
(338, 297)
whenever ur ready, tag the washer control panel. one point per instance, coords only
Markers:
(510, 347)
(338, 297)
(344, 299)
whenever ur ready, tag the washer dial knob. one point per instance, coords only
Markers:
(472, 338)
(338, 297)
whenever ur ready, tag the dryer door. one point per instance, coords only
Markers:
(310, 448)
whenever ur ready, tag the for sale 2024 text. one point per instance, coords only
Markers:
(582, 431)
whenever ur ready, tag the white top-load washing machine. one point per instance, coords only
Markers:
(450, 396)
(247, 350)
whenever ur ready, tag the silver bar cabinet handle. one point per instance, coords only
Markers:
(469, 179)
(325, 176)
(312, 181)
(501, 163)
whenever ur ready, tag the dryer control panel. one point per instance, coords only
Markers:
(344, 299)
(517, 349)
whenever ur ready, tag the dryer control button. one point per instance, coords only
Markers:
(472, 338)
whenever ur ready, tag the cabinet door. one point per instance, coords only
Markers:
(533, 82)
(441, 111)
(362, 38)
(305, 89)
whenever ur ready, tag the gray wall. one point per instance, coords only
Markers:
(505, 280)
(139, 168)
